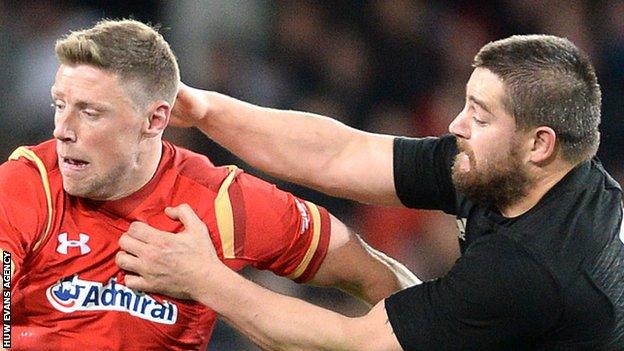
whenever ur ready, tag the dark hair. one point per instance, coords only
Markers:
(549, 82)
(136, 52)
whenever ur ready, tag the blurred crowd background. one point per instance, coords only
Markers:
(390, 66)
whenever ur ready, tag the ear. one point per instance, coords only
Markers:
(543, 144)
(158, 119)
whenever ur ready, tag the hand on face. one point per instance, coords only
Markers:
(189, 107)
(168, 263)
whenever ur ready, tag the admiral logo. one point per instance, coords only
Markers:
(74, 294)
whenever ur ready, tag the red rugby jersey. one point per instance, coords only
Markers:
(67, 292)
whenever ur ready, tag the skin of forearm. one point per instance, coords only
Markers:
(273, 321)
(397, 277)
(375, 291)
(404, 277)
(249, 131)
(356, 268)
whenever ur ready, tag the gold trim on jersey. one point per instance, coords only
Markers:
(31, 156)
(316, 236)
(225, 216)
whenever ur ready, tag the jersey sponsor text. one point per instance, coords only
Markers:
(74, 294)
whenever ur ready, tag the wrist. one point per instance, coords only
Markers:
(209, 285)
(211, 109)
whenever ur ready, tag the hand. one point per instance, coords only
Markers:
(168, 263)
(189, 108)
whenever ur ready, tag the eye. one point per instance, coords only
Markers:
(57, 106)
(90, 113)
(479, 122)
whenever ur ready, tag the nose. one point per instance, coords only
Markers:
(460, 126)
(63, 127)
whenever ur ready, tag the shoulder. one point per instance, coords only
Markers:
(28, 185)
(193, 166)
(586, 200)
(573, 223)
(200, 170)
(601, 173)
(27, 164)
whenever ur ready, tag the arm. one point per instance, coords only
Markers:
(278, 322)
(23, 220)
(273, 321)
(24, 210)
(496, 297)
(297, 239)
(355, 267)
(300, 147)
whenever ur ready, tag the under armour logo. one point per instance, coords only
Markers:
(64, 244)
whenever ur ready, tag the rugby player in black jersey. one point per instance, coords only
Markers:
(540, 220)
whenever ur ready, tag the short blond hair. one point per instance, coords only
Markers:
(139, 56)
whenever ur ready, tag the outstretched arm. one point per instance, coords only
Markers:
(273, 321)
(300, 147)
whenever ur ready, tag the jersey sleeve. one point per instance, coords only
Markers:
(495, 297)
(270, 228)
(422, 172)
(23, 209)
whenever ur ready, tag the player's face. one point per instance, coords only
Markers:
(98, 133)
(489, 166)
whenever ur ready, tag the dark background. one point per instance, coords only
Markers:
(396, 66)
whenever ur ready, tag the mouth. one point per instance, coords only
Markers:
(73, 164)
(463, 162)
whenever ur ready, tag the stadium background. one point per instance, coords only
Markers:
(390, 66)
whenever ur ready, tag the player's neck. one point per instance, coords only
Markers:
(144, 171)
(542, 184)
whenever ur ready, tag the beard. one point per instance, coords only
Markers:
(498, 183)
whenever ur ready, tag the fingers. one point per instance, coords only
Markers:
(185, 214)
(143, 232)
(137, 282)
(128, 262)
(131, 245)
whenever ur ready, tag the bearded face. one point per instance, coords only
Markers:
(498, 180)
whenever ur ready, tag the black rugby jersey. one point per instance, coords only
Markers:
(549, 279)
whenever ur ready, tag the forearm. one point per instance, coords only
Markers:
(278, 322)
(403, 277)
(355, 267)
(276, 141)
(303, 148)
(384, 277)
